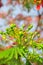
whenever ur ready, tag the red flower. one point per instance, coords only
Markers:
(38, 7)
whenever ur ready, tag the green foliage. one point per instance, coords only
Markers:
(27, 62)
(24, 40)
(28, 4)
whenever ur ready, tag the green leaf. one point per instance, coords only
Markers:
(5, 54)
(19, 52)
(27, 62)
(15, 53)
(10, 55)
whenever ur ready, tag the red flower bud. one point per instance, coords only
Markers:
(38, 7)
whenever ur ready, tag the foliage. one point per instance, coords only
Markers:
(23, 39)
